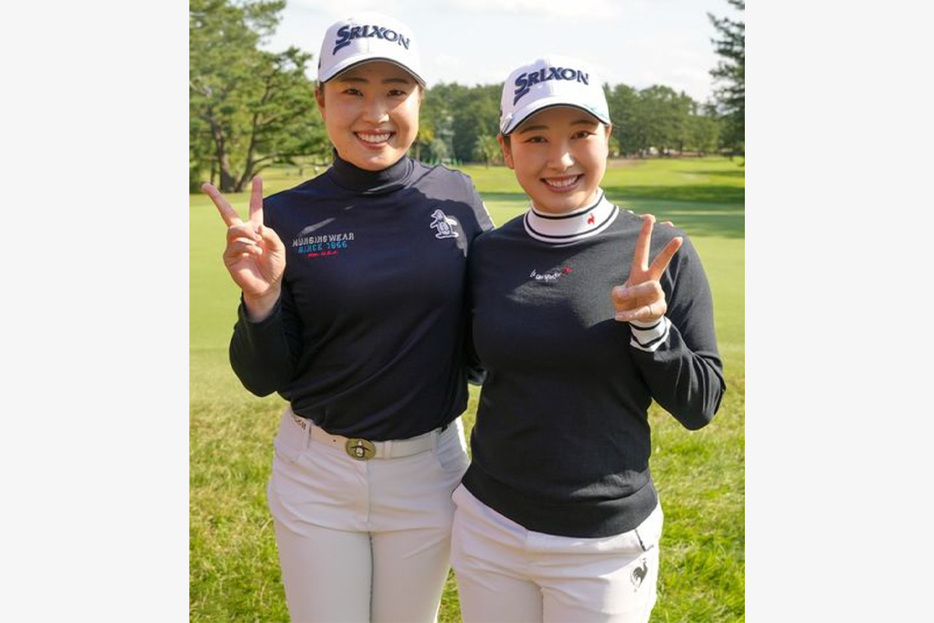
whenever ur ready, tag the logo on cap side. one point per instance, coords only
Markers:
(525, 81)
(346, 34)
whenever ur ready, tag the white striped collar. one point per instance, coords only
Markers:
(578, 225)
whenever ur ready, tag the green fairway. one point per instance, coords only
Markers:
(234, 572)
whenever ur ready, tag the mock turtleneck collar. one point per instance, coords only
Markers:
(351, 177)
(578, 225)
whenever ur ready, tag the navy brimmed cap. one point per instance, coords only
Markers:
(547, 82)
(368, 37)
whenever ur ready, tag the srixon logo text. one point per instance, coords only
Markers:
(347, 34)
(525, 81)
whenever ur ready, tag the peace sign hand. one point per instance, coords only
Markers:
(641, 298)
(255, 256)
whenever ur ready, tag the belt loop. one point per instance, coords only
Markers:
(387, 449)
(306, 429)
(435, 437)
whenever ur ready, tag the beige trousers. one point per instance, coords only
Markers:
(363, 540)
(507, 573)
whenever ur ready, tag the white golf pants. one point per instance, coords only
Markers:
(506, 573)
(363, 540)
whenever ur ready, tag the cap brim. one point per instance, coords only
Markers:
(349, 64)
(543, 104)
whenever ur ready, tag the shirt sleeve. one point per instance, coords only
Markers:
(678, 355)
(475, 371)
(484, 220)
(264, 354)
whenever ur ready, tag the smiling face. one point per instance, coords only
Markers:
(370, 113)
(559, 156)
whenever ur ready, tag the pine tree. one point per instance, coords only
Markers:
(731, 74)
(248, 108)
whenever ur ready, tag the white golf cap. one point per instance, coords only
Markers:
(368, 37)
(551, 81)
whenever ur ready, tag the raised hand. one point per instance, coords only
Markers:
(255, 256)
(641, 298)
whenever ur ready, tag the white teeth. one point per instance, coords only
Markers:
(374, 138)
(561, 182)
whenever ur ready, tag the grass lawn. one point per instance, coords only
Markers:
(233, 566)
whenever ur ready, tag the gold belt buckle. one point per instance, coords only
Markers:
(360, 449)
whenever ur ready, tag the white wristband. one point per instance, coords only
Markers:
(649, 336)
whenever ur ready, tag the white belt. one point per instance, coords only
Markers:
(364, 450)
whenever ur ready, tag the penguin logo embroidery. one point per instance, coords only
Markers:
(638, 574)
(444, 224)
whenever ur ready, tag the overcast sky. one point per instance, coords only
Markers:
(634, 42)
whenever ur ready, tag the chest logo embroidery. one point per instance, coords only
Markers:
(444, 225)
(321, 245)
(551, 275)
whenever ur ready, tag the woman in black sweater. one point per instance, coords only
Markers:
(353, 311)
(557, 518)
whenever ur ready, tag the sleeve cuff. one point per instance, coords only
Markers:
(265, 322)
(648, 337)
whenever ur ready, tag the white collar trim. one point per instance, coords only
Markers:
(578, 225)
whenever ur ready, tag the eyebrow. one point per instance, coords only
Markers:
(581, 121)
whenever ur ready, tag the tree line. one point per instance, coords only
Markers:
(460, 123)
(250, 108)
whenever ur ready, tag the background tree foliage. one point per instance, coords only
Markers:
(660, 121)
(248, 108)
(251, 108)
(458, 116)
(487, 150)
(731, 74)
